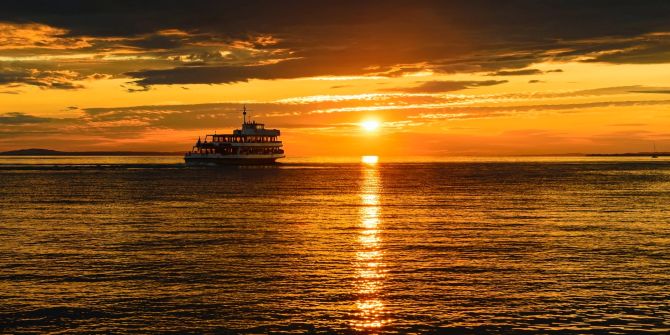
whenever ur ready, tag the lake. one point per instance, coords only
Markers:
(539, 245)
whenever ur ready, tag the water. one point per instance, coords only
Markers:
(468, 246)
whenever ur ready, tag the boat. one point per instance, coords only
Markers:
(253, 144)
(654, 155)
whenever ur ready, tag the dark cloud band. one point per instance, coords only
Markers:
(211, 42)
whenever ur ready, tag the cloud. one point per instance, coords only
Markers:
(57, 79)
(653, 91)
(235, 41)
(166, 127)
(157, 41)
(494, 111)
(16, 118)
(651, 48)
(292, 68)
(629, 125)
(445, 86)
(107, 124)
(36, 35)
(615, 90)
(524, 72)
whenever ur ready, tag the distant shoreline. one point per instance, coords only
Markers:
(632, 154)
(47, 152)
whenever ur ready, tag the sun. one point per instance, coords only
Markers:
(370, 125)
(370, 160)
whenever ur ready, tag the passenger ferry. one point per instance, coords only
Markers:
(251, 145)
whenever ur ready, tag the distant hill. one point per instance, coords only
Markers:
(48, 152)
(632, 154)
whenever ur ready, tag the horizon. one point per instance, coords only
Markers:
(530, 82)
(45, 152)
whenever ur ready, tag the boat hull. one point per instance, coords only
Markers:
(231, 160)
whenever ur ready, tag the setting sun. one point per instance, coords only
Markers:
(370, 159)
(370, 125)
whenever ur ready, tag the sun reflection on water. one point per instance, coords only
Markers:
(370, 267)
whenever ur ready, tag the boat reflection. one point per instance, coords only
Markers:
(369, 263)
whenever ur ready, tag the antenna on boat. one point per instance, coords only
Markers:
(244, 114)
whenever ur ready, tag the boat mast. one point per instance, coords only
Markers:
(654, 154)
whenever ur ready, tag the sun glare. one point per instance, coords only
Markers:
(370, 159)
(370, 125)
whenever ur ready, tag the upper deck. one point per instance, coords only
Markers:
(237, 140)
(251, 132)
(256, 129)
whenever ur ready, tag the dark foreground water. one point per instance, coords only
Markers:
(555, 246)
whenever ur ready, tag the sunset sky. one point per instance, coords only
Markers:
(457, 78)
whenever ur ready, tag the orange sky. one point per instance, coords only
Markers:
(74, 88)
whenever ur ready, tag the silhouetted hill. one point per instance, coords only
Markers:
(632, 154)
(48, 152)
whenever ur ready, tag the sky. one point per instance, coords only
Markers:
(440, 78)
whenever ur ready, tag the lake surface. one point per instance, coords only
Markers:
(467, 246)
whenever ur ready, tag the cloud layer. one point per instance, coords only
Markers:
(157, 43)
(336, 117)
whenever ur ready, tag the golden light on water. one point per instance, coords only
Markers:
(370, 267)
(371, 160)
